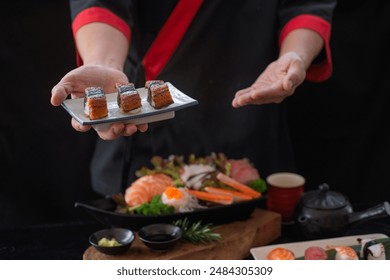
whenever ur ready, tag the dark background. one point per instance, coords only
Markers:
(44, 162)
(339, 127)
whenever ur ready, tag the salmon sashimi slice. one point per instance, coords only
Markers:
(280, 253)
(146, 187)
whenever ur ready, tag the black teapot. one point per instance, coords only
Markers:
(324, 213)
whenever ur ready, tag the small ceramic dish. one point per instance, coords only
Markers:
(124, 237)
(160, 237)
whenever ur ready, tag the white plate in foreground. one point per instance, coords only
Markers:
(298, 248)
(148, 114)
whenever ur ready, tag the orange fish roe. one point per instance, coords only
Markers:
(173, 193)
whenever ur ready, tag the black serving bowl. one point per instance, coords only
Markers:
(124, 236)
(104, 211)
(160, 237)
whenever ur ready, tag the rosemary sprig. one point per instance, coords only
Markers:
(197, 232)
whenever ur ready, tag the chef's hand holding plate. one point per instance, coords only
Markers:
(74, 84)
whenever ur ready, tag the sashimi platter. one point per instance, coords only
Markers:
(213, 189)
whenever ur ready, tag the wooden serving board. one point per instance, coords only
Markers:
(238, 238)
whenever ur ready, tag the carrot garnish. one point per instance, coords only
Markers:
(237, 196)
(216, 198)
(237, 185)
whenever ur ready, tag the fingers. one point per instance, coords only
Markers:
(278, 81)
(116, 130)
(63, 89)
(142, 127)
(242, 97)
(258, 95)
(81, 128)
(110, 132)
(288, 84)
(58, 94)
(113, 131)
(296, 74)
(129, 130)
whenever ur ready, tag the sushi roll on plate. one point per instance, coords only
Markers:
(95, 103)
(159, 95)
(129, 100)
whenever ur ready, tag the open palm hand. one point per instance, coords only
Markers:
(278, 81)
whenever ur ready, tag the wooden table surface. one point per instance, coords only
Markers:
(238, 238)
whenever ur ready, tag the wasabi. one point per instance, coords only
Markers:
(105, 242)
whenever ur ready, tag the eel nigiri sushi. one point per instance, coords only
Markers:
(128, 99)
(159, 95)
(95, 103)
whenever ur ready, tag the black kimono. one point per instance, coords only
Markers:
(209, 50)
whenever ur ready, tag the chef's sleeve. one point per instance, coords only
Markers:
(316, 16)
(116, 13)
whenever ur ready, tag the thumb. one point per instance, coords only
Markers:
(294, 77)
(288, 84)
(58, 94)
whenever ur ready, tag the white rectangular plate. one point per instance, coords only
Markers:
(298, 248)
(148, 114)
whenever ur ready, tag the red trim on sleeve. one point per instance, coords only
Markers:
(169, 37)
(98, 14)
(321, 71)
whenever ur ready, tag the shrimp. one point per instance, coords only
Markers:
(237, 185)
(237, 196)
(344, 253)
(143, 189)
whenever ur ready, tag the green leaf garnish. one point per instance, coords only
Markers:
(154, 207)
(197, 232)
(258, 185)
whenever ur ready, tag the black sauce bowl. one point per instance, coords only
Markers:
(160, 237)
(124, 236)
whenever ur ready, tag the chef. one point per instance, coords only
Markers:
(239, 59)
